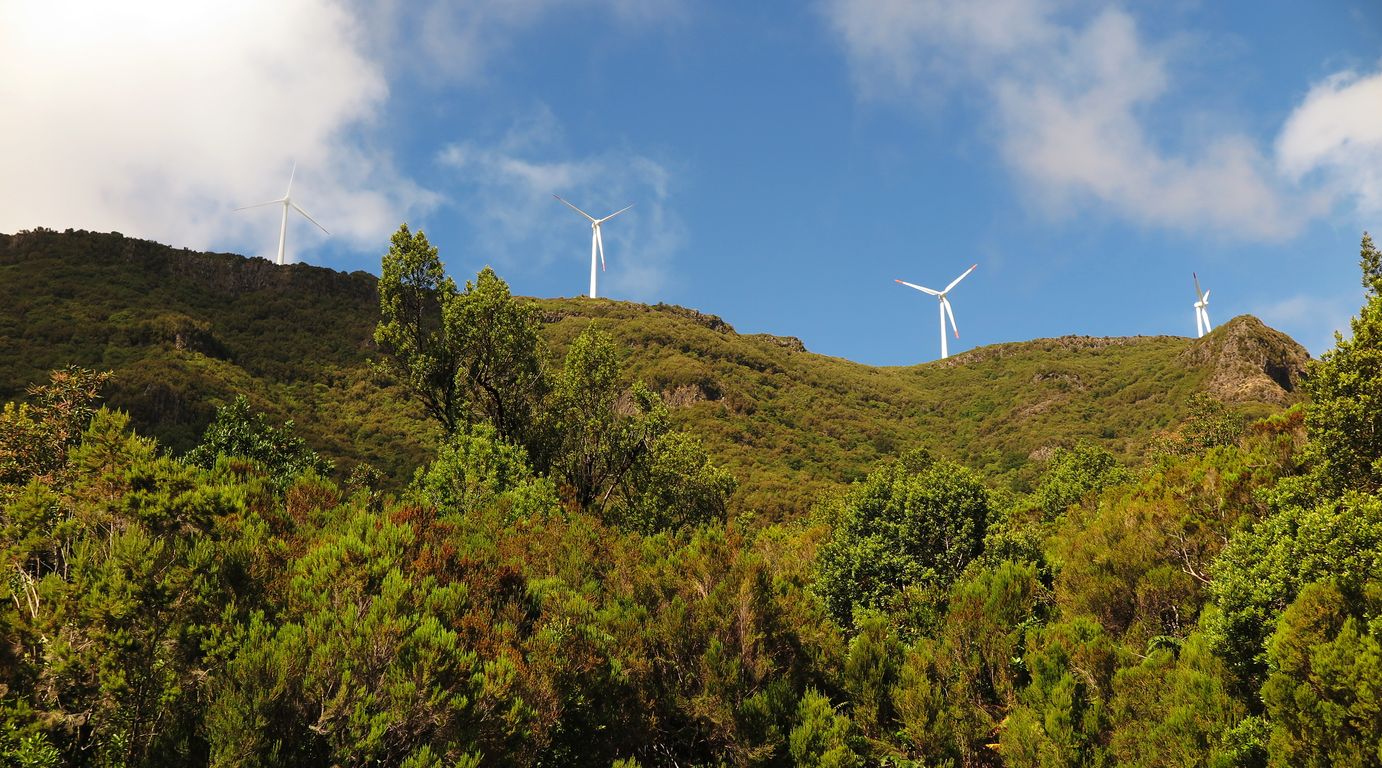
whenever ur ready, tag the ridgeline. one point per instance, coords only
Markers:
(185, 331)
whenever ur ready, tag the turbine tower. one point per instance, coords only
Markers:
(944, 305)
(1201, 309)
(597, 244)
(287, 202)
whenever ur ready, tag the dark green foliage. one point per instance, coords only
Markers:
(35, 436)
(901, 526)
(1263, 570)
(498, 350)
(1322, 695)
(1345, 416)
(1074, 472)
(1370, 260)
(474, 470)
(580, 587)
(822, 737)
(239, 432)
(418, 350)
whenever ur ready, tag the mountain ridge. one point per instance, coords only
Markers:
(185, 331)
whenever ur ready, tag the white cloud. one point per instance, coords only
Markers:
(504, 192)
(448, 40)
(1069, 93)
(156, 118)
(1312, 319)
(1336, 134)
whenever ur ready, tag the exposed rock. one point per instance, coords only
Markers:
(789, 343)
(713, 322)
(1249, 362)
(687, 394)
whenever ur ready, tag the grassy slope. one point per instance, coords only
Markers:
(185, 331)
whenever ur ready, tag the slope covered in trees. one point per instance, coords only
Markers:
(186, 332)
(575, 588)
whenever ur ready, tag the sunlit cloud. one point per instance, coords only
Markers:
(1066, 93)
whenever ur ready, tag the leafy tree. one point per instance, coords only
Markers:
(495, 343)
(898, 527)
(1175, 708)
(674, 485)
(1322, 695)
(615, 451)
(1073, 473)
(35, 436)
(238, 431)
(823, 738)
(1062, 718)
(468, 356)
(475, 470)
(1345, 415)
(1262, 570)
(413, 289)
(1370, 259)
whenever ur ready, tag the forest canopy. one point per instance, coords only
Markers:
(568, 579)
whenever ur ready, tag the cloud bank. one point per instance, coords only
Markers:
(1072, 98)
(157, 118)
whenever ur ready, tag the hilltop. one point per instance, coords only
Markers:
(184, 331)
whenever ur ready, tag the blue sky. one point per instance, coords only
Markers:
(787, 161)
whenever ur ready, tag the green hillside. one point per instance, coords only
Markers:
(184, 331)
(568, 580)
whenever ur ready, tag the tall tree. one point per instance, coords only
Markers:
(1345, 415)
(413, 288)
(596, 446)
(499, 376)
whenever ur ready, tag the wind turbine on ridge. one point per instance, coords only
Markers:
(944, 305)
(597, 243)
(287, 202)
(1201, 309)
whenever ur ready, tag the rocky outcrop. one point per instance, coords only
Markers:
(1249, 362)
(789, 343)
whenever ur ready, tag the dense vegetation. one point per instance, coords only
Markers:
(566, 578)
(186, 333)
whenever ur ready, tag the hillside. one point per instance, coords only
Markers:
(184, 331)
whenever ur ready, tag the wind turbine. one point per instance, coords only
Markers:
(287, 202)
(1201, 308)
(944, 305)
(597, 244)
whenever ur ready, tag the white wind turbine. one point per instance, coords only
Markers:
(944, 305)
(597, 244)
(1201, 308)
(287, 202)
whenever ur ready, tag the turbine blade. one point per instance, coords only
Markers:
(921, 288)
(308, 217)
(957, 280)
(616, 213)
(291, 174)
(946, 303)
(279, 201)
(1198, 292)
(600, 241)
(1205, 299)
(577, 210)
